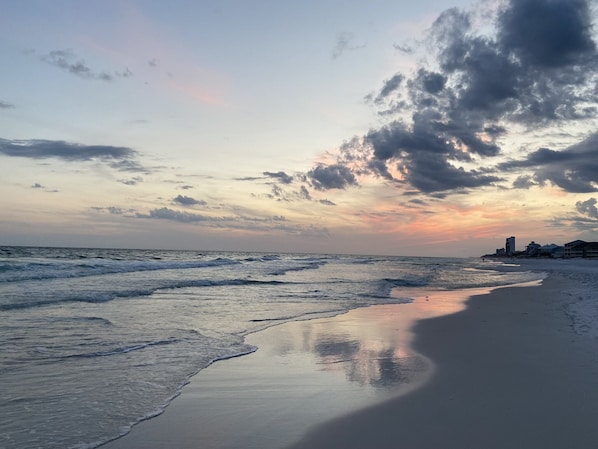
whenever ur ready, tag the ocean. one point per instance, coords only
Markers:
(93, 341)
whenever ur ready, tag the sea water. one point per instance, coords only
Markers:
(93, 341)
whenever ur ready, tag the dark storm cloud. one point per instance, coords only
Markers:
(331, 177)
(574, 169)
(538, 69)
(422, 154)
(430, 173)
(281, 176)
(188, 201)
(548, 33)
(67, 60)
(119, 158)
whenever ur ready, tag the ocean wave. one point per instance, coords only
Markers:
(123, 349)
(17, 271)
(401, 282)
(309, 266)
(109, 295)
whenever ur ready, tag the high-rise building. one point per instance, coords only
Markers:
(510, 246)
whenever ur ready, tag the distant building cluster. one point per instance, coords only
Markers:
(576, 248)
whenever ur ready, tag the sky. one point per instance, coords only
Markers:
(434, 128)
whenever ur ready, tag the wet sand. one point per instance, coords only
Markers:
(304, 373)
(511, 372)
(508, 371)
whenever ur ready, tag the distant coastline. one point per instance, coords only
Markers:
(570, 250)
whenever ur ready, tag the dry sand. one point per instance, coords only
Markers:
(511, 371)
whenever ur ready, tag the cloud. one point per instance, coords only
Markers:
(119, 158)
(165, 213)
(344, 43)
(247, 223)
(390, 86)
(132, 181)
(403, 48)
(69, 62)
(325, 177)
(586, 218)
(532, 63)
(39, 186)
(524, 182)
(304, 193)
(42, 149)
(281, 176)
(548, 33)
(278, 192)
(113, 210)
(574, 169)
(128, 165)
(539, 67)
(248, 178)
(188, 201)
(588, 208)
(425, 156)
(5, 105)
(327, 202)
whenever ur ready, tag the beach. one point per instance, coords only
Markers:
(511, 372)
(96, 342)
(513, 368)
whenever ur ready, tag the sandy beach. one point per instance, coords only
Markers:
(511, 372)
(515, 368)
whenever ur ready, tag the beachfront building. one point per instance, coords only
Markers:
(510, 246)
(533, 249)
(551, 250)
(590, 250)
(574, 248)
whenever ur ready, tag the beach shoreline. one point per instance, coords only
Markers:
(303, 373)
(485, 363)
(512, 371)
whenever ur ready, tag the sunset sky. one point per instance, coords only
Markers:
(382, 127)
